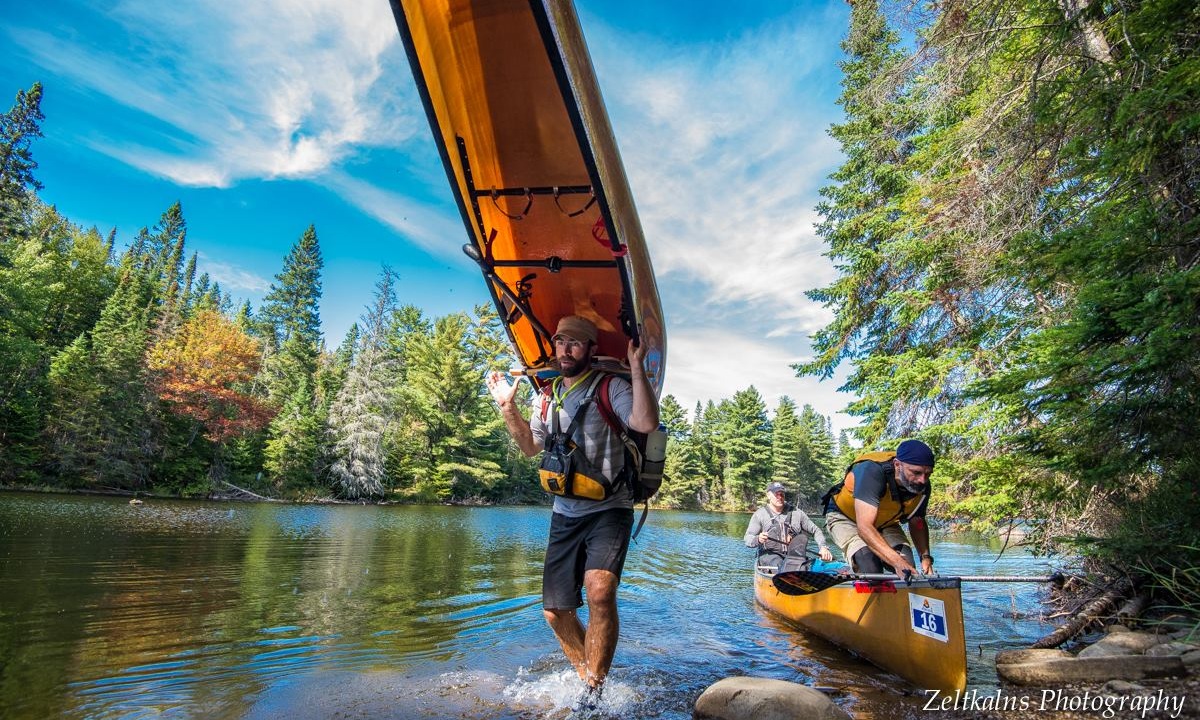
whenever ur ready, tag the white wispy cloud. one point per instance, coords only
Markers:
(232, 277)
(428, 227)
(725, 150)
(714, 363)
(249, 89)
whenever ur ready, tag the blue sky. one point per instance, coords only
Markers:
(265, 116)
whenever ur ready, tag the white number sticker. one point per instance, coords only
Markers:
(928, 616)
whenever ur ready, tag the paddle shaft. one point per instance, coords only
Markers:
(963, 578)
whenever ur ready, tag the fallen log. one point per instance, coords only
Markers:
(1133, 607)
(247, 492)
(1087, 615)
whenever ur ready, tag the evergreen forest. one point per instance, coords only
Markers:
(125, 368)
(1015, 228)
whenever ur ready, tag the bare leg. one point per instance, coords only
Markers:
(570, 633)
(590, 649)
(600, 639)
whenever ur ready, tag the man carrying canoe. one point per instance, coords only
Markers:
(781, 532)
(593, 503)
(879, 493)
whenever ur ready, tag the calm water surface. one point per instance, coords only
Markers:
(177, 609)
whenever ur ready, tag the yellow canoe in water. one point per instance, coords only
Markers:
(914, 630)
(513, 102)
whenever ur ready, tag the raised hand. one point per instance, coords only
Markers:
(501, 389)
(636, 355)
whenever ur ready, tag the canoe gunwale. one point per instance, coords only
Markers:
(556, 51)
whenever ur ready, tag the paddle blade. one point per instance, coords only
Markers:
(800, 582)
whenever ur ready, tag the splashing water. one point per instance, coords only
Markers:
(559, 692)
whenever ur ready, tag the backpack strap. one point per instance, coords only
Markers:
(893, 488)
(588, 398)
(604, 404)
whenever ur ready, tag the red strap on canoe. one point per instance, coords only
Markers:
(600, 233)
(864, 587)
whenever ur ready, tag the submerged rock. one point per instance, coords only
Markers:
(1015, 657)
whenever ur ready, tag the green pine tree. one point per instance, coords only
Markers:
(682, 477)
(289, 324)
(787, 442)
(463, 447)
(18, 128)
(100, 428)
(743, 438)
(817, 469)
(293, 442)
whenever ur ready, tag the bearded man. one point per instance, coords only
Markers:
(593, 511)
(882, 491)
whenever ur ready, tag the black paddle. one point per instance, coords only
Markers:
(803, 582)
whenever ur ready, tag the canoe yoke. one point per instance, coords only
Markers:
(518, 297)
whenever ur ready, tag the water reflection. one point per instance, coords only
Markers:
(194, 609)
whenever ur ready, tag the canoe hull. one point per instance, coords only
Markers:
(512, 99)
(915, 632)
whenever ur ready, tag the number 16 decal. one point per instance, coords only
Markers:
(928, 616)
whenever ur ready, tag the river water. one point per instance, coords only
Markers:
(182, 609)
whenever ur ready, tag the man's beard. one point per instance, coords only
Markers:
(577, 368)
(904, 482)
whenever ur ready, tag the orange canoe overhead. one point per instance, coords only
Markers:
(512, 99)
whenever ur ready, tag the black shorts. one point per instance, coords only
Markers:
(597, 541)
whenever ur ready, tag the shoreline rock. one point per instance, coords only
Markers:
(1121, 654)
(1148, 674)
(750, 698)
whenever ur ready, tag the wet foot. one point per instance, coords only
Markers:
(589, 702)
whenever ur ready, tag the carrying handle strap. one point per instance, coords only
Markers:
(576, 213)
(519, 216)
(600, 235)
(610, 417)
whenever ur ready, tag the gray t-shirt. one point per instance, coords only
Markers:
(601, 446)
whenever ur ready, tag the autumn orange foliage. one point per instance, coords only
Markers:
(199, 369)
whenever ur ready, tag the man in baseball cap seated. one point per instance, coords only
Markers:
(781, 533)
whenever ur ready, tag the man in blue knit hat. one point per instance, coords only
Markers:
(882, 491)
